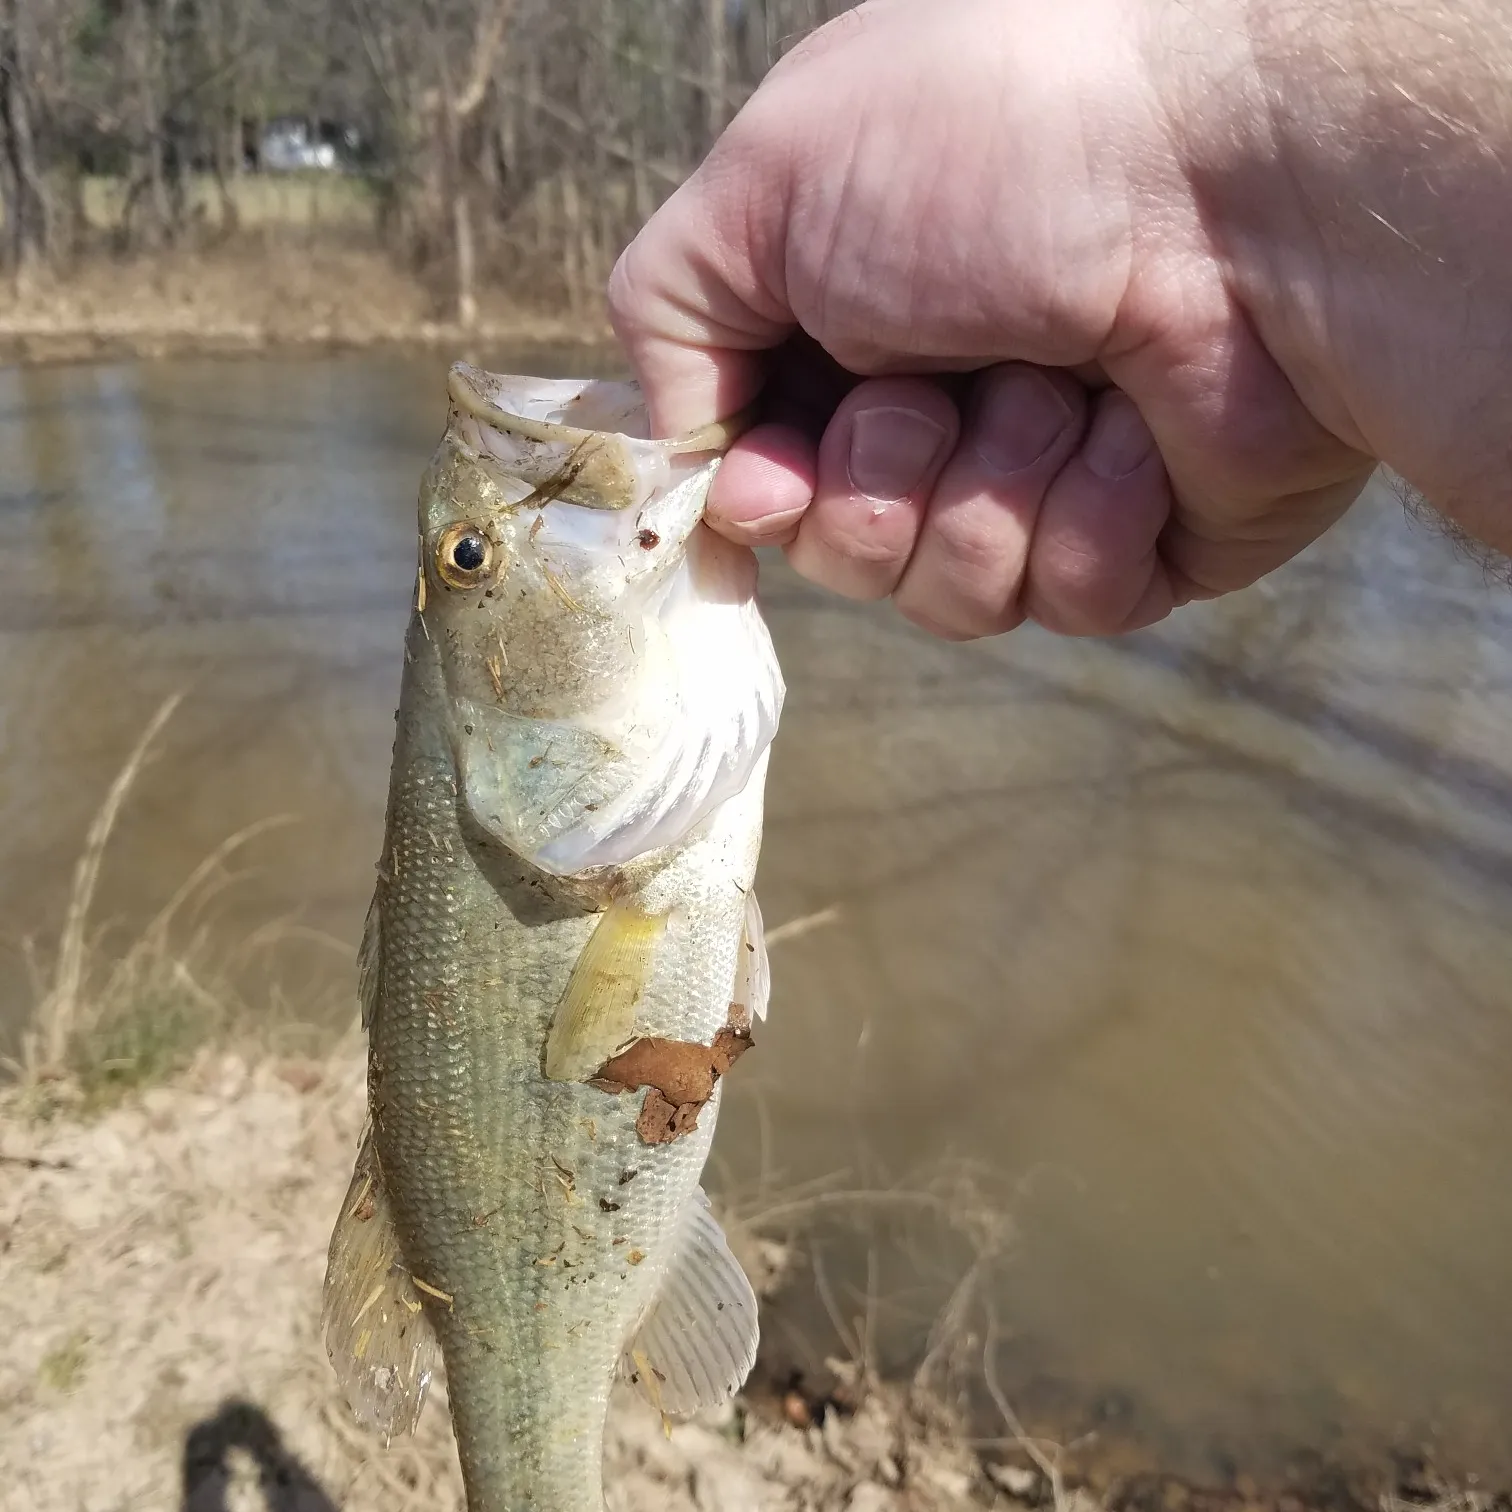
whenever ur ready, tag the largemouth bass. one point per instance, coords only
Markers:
(564, 954)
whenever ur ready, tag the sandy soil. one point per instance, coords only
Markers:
(247, 296)
(161, 1273)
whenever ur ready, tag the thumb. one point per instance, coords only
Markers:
(698, 298)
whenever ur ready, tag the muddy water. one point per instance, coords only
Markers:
(1191, 952)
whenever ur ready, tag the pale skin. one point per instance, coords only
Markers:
(1076, 312)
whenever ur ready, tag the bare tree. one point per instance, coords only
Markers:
(22, 193)
(517, 143)
(456, 112)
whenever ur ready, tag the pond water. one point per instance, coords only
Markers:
(1187, 956)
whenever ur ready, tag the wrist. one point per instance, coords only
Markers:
(1349, 160)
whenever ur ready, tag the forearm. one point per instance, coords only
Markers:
(1363, 202)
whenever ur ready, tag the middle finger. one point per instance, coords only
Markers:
(967, 569)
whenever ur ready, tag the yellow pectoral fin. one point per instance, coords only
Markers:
(597, 1013)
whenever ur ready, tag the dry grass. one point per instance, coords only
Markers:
(111, 1015)
(327, 201)
(161, 1304)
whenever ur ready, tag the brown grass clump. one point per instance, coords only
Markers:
(109, 1016)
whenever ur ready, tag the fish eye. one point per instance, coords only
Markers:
(464, 556)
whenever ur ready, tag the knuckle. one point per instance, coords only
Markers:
(856, 548)
(974, 543)
(932, 624)
(1077, 593)
(852, 565)
(855, 532)
(955, 612)
(626, 290)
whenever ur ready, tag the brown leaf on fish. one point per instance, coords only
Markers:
(661, 1122)
(681, 1072)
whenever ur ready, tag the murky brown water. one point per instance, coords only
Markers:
(1198, 946)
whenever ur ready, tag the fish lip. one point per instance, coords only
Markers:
(716, 437)
(516, 430)
(463, 393)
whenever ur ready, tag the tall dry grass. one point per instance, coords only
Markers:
(108, 1015)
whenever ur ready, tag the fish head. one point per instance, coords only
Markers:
(579, 608)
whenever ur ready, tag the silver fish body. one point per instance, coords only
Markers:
(564, 953)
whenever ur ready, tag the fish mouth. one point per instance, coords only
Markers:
(602, 464)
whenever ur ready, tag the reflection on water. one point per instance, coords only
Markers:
(1197, 943)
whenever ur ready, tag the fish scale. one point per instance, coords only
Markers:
(519, 1215)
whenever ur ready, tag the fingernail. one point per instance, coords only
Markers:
(891, 449)
(1119, 441)
(1021, 415)
(762, 529)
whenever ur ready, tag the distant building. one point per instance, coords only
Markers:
(292, 144)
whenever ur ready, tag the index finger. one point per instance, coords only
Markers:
(698, 298)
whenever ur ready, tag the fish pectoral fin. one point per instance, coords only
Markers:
(753, 970)
(377, 1335)
(596, 1015)
(698, 1340)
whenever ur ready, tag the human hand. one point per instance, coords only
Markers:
(975, 254)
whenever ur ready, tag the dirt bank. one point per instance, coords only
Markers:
(161, 1271)
(251, 295)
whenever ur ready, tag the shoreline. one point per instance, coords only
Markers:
(260, 297)
(163, 1262)
(35, 348)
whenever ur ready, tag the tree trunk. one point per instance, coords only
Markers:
(25, 200)
(148, 214)
(466, 257)
(717, 73)
(230, 217)
(226, 163)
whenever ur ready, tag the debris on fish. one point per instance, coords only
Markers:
(564, 956)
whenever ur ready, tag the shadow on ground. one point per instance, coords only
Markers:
(210, 1464)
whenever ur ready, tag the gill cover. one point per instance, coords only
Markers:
(609, 522)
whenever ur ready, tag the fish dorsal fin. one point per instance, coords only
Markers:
(753, 969)
(367, 963)
(596, 1016)
(379, 1340)
(697, 1343)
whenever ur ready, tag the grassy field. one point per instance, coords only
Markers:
(320, 201)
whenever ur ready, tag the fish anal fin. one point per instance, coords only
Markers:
(697, 1342)
(753, 970)
(378, 1338)
(596, 1015)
